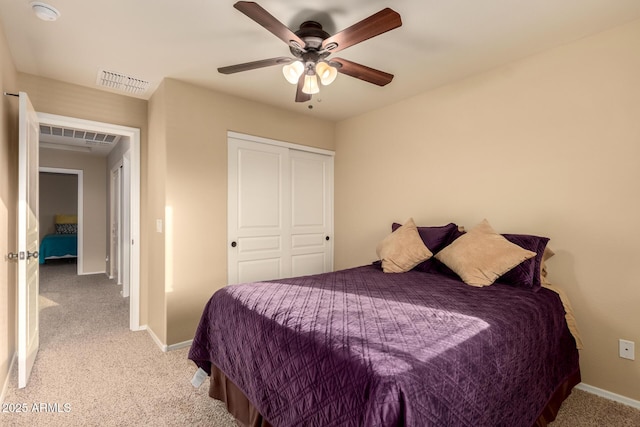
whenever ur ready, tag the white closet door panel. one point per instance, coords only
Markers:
(304, 241)
(306, 264)
(259, 270)
(259, 244)
(260, 183)
(308, 190)
(257, 219)
(311, 212)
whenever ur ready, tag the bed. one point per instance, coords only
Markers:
(362, 347)
(64, 242)
(55, 246)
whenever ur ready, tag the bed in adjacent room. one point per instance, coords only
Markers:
(413, 340)
(63, 243)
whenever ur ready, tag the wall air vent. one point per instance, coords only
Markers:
(122, 82)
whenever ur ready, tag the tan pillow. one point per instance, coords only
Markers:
(568, 313)
(548, 253)
(481, 255)
(403, 249)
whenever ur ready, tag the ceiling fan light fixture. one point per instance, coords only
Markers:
(293, 71)
(326, 72)
(311, 44)
(45, 11)
(310, 84)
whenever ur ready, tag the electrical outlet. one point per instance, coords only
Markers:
(627, 349)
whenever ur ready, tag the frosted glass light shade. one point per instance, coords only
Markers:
(293, 71)
(326, 72)
(310, 84)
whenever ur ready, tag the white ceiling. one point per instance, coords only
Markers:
(440, 41)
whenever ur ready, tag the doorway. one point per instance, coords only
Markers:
(46, 218)
(131, 199)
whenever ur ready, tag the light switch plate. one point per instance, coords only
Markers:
(159, 225)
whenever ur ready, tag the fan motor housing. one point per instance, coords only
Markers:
(312, 34)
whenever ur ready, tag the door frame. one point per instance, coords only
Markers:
(80, 189)
(115, 218)
(290, 145)
(134, 197)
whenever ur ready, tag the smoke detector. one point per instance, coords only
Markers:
(45, 11)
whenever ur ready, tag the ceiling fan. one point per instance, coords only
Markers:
(311, 46)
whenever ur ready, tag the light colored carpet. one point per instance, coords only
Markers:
(100, 373)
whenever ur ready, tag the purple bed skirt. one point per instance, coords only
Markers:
(247, 415)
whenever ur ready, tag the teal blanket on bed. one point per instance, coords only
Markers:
(58, 245)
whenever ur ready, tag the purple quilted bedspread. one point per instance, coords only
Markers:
(359, 347)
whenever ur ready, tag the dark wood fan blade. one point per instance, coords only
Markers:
(282, 60)
(363, 72)
(257, 13)
(378, 23)
(300, 95)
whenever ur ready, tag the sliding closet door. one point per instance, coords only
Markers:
(280, 212)
(258, 219)
(311, 213)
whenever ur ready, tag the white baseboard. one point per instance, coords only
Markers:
(179, 345)
(140, 328)
(88, 273)
(609, 395)
(165, 348)
(5, 386)
(155, 338)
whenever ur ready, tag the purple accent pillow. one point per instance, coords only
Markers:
(434, 238)
(526, 274)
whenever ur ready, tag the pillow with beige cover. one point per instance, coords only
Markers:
(481, 255)
(568, 309)
(403, 249)
(548, 253)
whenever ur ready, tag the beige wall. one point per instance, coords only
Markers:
(8, 208)
(155, 200)
(196, 125)
(58, 196)
(549, 145)
(94, 202)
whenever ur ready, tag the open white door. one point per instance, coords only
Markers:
(28, 283)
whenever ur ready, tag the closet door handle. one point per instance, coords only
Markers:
(234, 244)
(327, 238)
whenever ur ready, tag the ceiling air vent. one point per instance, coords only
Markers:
(122, 82)
(59, 134)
